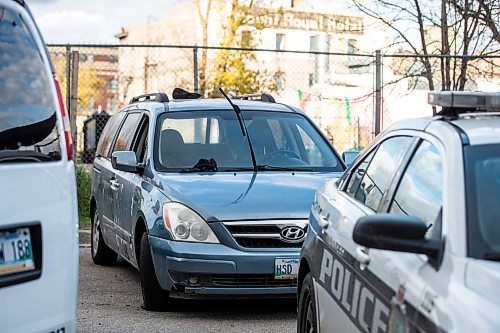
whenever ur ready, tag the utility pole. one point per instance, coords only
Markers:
(195, 68)
(358, 144)
(378, 91)
(73, 104)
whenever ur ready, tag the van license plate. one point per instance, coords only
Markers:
(16, 253)
(286, 268)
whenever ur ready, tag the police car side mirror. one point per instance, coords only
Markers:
(398, 233)
(125, 161)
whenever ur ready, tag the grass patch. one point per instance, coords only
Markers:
(83, 184)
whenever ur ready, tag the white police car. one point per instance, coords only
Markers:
(408, 240)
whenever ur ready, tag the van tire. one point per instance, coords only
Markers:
(153, 296)
(102, 254)
(307, 320)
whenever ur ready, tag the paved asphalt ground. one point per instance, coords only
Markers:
(110, 299)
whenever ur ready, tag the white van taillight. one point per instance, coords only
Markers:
(64, 114)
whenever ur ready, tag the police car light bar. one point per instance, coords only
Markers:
(469, 101)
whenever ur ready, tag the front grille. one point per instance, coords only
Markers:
(266, 243)
(230, 280)
(264, 234)
(253, 280)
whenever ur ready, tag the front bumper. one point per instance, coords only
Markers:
(197, 269)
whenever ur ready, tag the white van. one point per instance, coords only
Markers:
(38, 205)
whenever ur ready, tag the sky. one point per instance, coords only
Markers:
(93, 21)
(97, 21)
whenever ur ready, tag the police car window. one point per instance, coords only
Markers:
(376, 180)
(358, 173)
(127, 132)
(420, 192)
(482, 176)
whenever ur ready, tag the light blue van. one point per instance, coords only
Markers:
(207, 197)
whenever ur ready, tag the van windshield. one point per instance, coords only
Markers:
(28, 129)
(212, 141)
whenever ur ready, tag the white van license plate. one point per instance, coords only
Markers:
(16, 254)
(286, 268)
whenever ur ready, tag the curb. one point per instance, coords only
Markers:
(84, 237)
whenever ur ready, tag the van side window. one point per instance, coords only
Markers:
(127, 131)
(140, 144)
(109, 133)
(368, 187)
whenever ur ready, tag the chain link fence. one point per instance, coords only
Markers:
(351, 97)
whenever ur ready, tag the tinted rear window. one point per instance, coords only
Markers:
(28, 130)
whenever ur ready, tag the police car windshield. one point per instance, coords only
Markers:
(482, 163)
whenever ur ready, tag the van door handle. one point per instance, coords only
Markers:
(114, 184)
(362, 257)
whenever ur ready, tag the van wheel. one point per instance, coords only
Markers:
(153, 296)
(101, 253)
(307, 321)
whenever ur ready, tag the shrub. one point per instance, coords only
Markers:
(83, 184)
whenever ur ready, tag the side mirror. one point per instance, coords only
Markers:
(124, 161)
(349, 156)
(398, 233)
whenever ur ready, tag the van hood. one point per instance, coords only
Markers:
(228, 196)
(483, 277)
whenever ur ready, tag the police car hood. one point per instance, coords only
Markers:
(228, 196)
(483, 277)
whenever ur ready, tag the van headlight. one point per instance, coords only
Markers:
(185, 225)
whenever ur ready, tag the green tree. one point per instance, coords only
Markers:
(237, 71)
(90, 86)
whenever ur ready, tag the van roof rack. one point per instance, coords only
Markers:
(154, 97)
(256, 97)
(454, 103)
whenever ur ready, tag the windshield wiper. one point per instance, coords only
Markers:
(265, 167)
(203, 165)
(244, 129)
(229, 169)
(492, 256)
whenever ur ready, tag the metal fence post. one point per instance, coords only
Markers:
(75, 57)
(378, 91)
(68, 75)
(195, 68)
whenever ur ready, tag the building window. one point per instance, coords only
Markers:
(113, 84)
(280, 42)
(279, 81)
(297, 3)
(112, 58)
(352, 46)
(313, 43)
(312, 79)
(246, 38)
